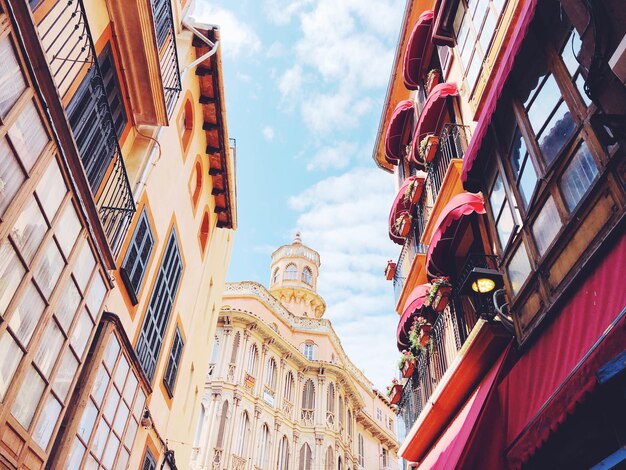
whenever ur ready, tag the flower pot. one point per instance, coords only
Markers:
(425, 334)
(441, 298)
(390, 270)
(405, 225)
(431, 148)
(395, 394)
(408, 368)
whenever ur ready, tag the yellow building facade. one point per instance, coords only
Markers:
(281, 392)
(117, 216)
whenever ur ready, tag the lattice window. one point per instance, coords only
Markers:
(173, 362)
(137, 256)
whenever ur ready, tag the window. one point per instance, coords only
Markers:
(309, 351)
(252, 360)
(306, 457)
(137, 256)
(340, 412)
(502, 213)
(196, 183)
(307, 276)
(173, 362)
(291, 272)
(243, 436)
(379, 414)
(361, 450)
(330, 399)
(330, 458)
(11, 77)
(289, 387)
(149, 462)
(162, 20)
(578, 176)
(385, 457)
(275, 276)
(185, 124)
(270, 375)
(308, 402)
(113, 89)
(221, 430)
(263, 450)
(235, 351)
(350, 423)
(204, 231)
(160, 307)
(216, 349)
(283, 454)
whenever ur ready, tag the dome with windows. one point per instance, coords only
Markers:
(293, 281)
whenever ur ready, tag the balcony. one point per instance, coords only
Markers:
(452, 145)
(70, 51)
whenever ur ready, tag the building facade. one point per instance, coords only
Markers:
(117, 211)
(281, 392)
(504, 125)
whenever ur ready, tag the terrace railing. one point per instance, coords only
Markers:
(452, 144)
(168, 54)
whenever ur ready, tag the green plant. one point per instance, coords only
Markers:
(409, 190)
(434, 288)
(394, 382)
(414, 332)
(423, 145)
(405, 357)
(431, 73)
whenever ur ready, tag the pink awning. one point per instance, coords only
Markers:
(414, 303)
(448, 450)
(399, 131)
(458, 207)
(416, 50)
(431, 119)
(401, 204)
(498, 81)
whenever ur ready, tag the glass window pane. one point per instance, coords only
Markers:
(67, 229)
(11, 175)
(28, 136)
(570, 51)
(48, 350)
(47, 421)
(518, 268)
(578, 176)
(12, 83)
(487, 32)
(67, 305)
(557, 133)
(26, 316)
(122, 461)
(29, 229)
(87, 421)
(545, 101)
(110, 405)
(139, 404)
(97, 446)
(120, 419)
(111, 353)
(90, 463)
(100, 385)
(11, 273)
(131, 430)
(527, 181)
(505, 225)
(51, 190)
(76, 455)
(95, 296)
(130, 388)
(81, 333)
(11, 356)
(546, 226)
(84, 265)
(580, 85)
(27, 398)
(120, 372)
(49, 269)
(65, 374)
(111, 451)
(474, 69)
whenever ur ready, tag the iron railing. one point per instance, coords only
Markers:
(168, 54)
(452, 144)
(71, 54)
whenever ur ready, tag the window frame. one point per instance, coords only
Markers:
(170, 377)
(126, 272)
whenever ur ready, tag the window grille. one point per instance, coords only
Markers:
(137, 256)
(173, 363)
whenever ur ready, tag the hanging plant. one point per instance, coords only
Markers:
(419, 334)
(439, 294)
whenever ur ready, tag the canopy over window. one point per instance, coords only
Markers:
(460, 206)
(399, 131)
(413, 306)
(416, 48)
(403, 203)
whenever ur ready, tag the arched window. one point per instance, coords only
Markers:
(185, 124)
(235, 351)
(216, 350)
(361, 451)
(204, 231)
(263, 451)
(243, 435)
(289, 387)
(340, 412)
(252, 360)
(221, 430)
(196, 185)
(283, 454)
(307, 276)
(330, 459)
(339, 464)
(196, 439)
(306, 457)
(275, 276)
(291, 273)
(349, 422)
(330, 404)
(309, 351)
(308, 403)
(270, 374)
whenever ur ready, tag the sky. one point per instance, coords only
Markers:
(305, 82)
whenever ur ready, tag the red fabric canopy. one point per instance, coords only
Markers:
(398, 131)
(445, 454)
(556, 373)
(414, 302)
(513, 47)
(459, 206)
(400, 205)
(430, 120)
(416, 50)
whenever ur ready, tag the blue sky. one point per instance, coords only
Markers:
(305, 82)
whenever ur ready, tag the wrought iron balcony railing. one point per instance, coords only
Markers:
(168, 55)
(449, 332)
(72, 59)
(452, 144)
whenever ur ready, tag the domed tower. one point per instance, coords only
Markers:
(293, 279)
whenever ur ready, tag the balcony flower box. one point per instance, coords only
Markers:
(414, 189)
(403, 225)
(439, 294)
(424, 335)
(390, 270)
(428, 148)
(419, 335)
(407, 364)
(394, 392)
(432, 80)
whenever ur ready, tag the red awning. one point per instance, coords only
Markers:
(402, 204)
(399, 131)
(448, 450)
(430, 120)
(458, 207)
(414, 302)
(497, 84)
(416, 50)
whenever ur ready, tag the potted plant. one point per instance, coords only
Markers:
(439, 294)
(432, 79)
(407, 363)
(403, 224)
(394, 392)
(428, 148)
(419, 335)
(390, 270)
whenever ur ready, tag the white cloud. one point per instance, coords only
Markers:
(243, 77)
(338, 156)
(344, 218)
(290, 83)
(268, 133)
(237, 37)
(281, 11)
(276, 49)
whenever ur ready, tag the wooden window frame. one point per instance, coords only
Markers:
(142, 263)
(170, 377)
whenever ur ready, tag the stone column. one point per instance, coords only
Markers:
(297, 402)
(243, 355)
(273, 458)
(222, 364)
(228, 445)
(294, 450)
(208, 435)
(320, 415)
(318, 463)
